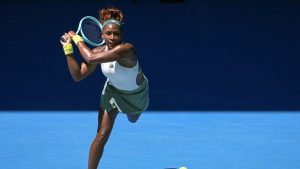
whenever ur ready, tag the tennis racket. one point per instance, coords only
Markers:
(90, 29)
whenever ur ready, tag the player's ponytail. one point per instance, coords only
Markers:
(111, 13)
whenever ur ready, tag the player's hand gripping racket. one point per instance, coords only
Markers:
(90, 29)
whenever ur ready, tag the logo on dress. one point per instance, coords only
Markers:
(111, 65)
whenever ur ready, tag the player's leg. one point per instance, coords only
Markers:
(105, 126)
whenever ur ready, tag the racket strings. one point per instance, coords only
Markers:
(91, 31)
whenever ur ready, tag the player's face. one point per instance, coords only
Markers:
(112, 35)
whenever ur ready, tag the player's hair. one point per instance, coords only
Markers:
(110, 13)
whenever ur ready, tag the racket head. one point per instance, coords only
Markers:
(91, 31)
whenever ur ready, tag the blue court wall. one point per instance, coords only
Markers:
(197, 55)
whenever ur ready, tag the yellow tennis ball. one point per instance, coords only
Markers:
(182, 168)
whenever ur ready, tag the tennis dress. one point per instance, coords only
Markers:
(121, 91)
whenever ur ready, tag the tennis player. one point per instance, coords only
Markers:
(126, 88)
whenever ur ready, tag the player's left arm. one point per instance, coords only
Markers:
(119, 52)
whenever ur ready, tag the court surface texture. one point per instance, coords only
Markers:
(159, 140)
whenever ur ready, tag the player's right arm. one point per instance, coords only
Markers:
(77, 72)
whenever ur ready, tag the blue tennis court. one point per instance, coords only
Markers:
(160, 140)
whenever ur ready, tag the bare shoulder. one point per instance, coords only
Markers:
(129, 58)
(129, 45)
(124, 46)
(99, 48)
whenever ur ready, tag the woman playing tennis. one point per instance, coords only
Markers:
(126, 88)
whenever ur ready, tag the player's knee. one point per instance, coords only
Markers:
(102, 136)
